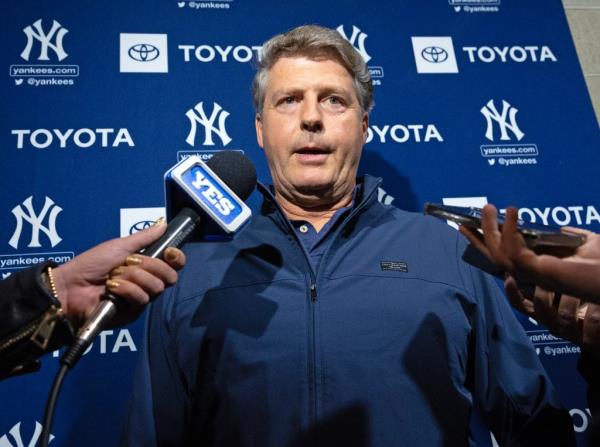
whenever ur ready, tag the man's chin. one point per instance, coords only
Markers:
(313, 189)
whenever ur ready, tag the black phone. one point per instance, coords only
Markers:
(535, 235)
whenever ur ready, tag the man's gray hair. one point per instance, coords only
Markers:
(313, 41)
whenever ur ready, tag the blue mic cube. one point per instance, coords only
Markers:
(192, 184)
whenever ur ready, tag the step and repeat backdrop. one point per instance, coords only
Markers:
(476, 101)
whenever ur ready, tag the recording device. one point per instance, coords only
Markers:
(203, 202)
(535, 235)
(538, 237)
(193, 184)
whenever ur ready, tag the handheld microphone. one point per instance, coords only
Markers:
(200, 204)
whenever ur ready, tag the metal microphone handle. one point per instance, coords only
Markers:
(177, 233)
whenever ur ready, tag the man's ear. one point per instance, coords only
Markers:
(365, 126)
(258, 126)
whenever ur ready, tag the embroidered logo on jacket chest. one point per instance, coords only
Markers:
(393, 266)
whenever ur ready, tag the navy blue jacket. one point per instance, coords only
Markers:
(392, 342)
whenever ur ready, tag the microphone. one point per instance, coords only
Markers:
(204, 201)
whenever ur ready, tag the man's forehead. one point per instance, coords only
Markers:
(318, 58)
(289, 70)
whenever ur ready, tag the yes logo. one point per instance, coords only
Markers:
(212, 194)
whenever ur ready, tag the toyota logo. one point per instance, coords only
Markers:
(435, 55)
(143, 52)
(141, 225)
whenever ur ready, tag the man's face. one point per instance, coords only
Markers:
(311, 128)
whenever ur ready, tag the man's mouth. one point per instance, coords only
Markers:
(312, 155)
(312, 151)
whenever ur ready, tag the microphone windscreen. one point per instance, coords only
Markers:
(236, 170)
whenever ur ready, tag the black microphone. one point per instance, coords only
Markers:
(205, 199)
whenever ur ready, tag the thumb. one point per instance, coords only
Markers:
(141, 239)
(577, 230)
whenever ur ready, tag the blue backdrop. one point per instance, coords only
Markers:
(476, 100)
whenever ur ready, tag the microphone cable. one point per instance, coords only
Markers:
(178, 231)
(51, 403)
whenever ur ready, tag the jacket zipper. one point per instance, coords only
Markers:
(312, 368)
(38, 331)
(312, 358)
(313, 301)
(23, 333)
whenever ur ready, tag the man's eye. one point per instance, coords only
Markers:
(288, 100)
(335, 101)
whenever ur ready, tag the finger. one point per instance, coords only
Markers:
(577, 278)
(492, 235)
(517, 299)
(141, 239)
(476, 239)
(174, 257)
(577, 231)
(155, 267)
(149, 283)
(567, 318)
(129, 291)
(546, 309)
(591, 328)
(512, 241)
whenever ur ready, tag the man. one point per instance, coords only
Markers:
(559, 282)
(333, 319)
(41, 306)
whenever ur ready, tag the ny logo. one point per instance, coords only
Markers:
(50, 209)
(57, 32)
(491, 114)
(15, 432)
(357, 40)
(197, 115)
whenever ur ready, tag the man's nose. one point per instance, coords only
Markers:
(311, 119)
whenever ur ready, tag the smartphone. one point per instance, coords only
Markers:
(535, 235)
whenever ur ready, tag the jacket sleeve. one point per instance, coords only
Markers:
(24, 300)
(157, 408)
(512, 389)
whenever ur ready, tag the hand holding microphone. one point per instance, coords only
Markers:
(135, 278)
(202, 203)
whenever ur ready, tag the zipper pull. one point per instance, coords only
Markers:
(43, 333)
(313, 292)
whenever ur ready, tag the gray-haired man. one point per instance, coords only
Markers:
(333, 319)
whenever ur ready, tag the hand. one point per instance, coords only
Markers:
(577, 274)
(565, 316)
(135, 278)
